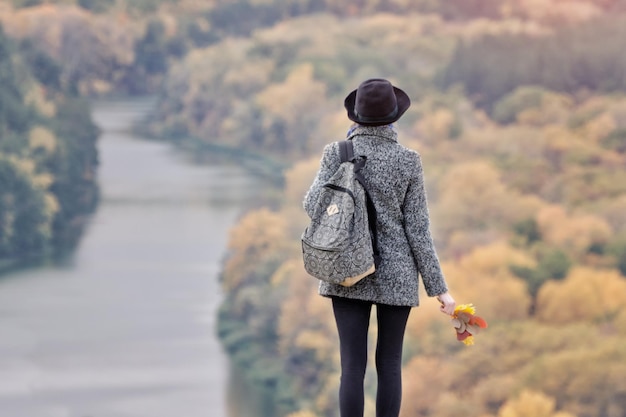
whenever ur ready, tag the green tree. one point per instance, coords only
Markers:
(242, 17)
(512, 107)
(528, 230)
(44, 68)
(553, 264)
(26, 3)
(14, 115)
(616, 140)
(150, 51)
(617, 249)
(96, 6)
(571, 59)
(73, 165)
(25, 221)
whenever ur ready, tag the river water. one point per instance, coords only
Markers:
(126, 327)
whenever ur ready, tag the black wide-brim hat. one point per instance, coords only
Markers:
(376, 102)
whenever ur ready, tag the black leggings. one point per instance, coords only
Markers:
(353, 318)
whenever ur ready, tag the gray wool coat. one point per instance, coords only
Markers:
(395, 180)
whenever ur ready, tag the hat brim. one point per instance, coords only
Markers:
(402, 99)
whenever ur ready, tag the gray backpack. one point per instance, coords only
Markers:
(339, 245)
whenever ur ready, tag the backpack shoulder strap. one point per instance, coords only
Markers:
(346, 151)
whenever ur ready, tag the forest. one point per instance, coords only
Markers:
(47, 158)
(519, 113)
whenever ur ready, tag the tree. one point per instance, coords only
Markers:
(585, 295)
(553, 264)
(14, 115)
(45, 69)
(27, 3)
(96, 6)
(531, 404)
(240, 18)
(532, 104)
(485, 271)
(587, 379)
(616, 140)
(420, 394)
(617, 249)
(307, 340)
(492, 66)
(291, 109)
(150, 51)
(26, 212)
(256, 248)
(471, 196)
(574, 234)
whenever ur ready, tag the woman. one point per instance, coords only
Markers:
(395, 181)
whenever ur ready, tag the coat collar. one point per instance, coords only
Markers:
(386, 132)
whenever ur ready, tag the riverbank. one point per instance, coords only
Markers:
(257, 163)
(126, 327)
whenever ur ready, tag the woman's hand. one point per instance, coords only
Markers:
(447, 303)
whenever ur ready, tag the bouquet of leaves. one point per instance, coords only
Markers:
(467, 323)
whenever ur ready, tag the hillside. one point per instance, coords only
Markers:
(526, 183)
(47, 158)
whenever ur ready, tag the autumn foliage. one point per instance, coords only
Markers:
(47, 158)
(526, 194)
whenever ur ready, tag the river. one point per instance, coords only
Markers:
(126, 327)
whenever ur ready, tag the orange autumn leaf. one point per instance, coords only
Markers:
(466, 323)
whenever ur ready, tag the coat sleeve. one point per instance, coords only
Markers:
(417, 229)
(328, 166)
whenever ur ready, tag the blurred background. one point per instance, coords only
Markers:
(153, 159)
